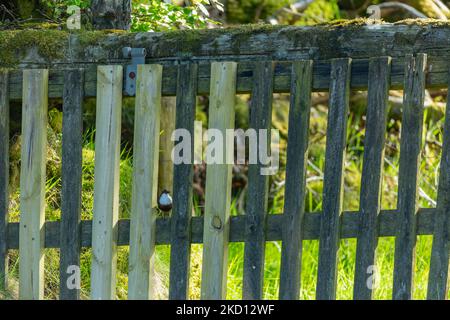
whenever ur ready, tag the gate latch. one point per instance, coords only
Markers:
(137, 56)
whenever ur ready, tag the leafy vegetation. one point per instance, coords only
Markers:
(155, 15)
(147, 15)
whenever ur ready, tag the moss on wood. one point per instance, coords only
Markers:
(90, 38)
(50, 45)
(424, 22)
(14, 45)
(345, 23)
(359, 22)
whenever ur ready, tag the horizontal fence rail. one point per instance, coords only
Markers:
(281, 82)
(216, 229)
(349, 228)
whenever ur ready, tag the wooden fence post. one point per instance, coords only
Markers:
(180, 249)
(333, 178)
(370, 197)
(297, 158)
(111, 14)
(410, 150)
(439, 265)
(4, 177)
(106, 185)
(32, 184)
(165, 174)
(258, 184)
(145, 182)
(218, 184)
(72, 150)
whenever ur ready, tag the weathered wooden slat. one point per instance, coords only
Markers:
(218, 183)
(294, 199)
(370, 197)
(333, 178)
(4, 177)
(106, 187)
(437, 77)
(72, 150)
(410, 149)
(439, 265)
(32, 184)
(180, 232)
(141, 282)
(387, 221)
(258, 184)
(167, 126)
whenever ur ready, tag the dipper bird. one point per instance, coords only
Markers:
(165, 201)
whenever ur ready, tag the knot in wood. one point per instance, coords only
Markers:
(216, 222)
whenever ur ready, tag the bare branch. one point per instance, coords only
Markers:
(395, 4)
(294, 8)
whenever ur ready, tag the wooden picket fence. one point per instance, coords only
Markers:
(216, 229)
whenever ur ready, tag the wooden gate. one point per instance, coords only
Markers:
(216, 229)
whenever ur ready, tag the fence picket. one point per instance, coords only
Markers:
(218, 184)
(370, 196)
(297, 157)
(72, 150)
(4, 177)
(182, 188)
(167, 126)
(258, 184)
(439, 265)
(106, 185)
(145, 182)
(410, 148)
(333, 180)
(32, 183)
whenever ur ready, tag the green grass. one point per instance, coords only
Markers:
(352, 179)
